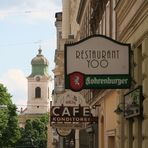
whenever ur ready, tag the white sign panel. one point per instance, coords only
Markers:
(70, 98)
(98, 55)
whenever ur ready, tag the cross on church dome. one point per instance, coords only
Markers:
(40, 50)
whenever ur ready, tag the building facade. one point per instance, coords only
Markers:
(132, 27)
(125, 21)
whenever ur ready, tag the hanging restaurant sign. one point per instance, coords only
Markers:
(97, 62)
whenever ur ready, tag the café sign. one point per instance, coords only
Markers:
(97, 62)
(71, 111)
(72, 114)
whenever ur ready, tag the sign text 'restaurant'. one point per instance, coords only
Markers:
(96, 58)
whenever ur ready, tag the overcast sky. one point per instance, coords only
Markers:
(25, 25)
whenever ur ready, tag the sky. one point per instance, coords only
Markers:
(25, 25)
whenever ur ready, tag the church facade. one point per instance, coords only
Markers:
(38, 101)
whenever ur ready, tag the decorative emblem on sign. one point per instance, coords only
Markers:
(76, 81)
(63, 131)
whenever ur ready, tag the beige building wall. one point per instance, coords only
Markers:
(132, 27)
(107, 119)
(110, 106)
(74, 26)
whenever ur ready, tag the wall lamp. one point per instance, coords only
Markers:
(132, 104)
(128, 109)
(125, 108)
(119, 109)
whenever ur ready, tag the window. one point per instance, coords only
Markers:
(37, 92)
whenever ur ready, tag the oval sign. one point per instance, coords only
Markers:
(63, 131)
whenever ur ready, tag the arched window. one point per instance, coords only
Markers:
(37, 92)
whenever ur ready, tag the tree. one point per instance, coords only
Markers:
(34, 135)
(9, 128)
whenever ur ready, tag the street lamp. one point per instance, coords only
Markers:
(119, 109)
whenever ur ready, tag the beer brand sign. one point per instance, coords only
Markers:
(97, 62)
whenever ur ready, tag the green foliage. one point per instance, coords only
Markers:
(34, 134)
(4, 96)
(9, 130)
(45, 118)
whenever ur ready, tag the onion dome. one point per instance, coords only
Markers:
(39, 59)
(39, 65)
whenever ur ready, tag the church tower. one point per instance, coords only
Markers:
(38, 86)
